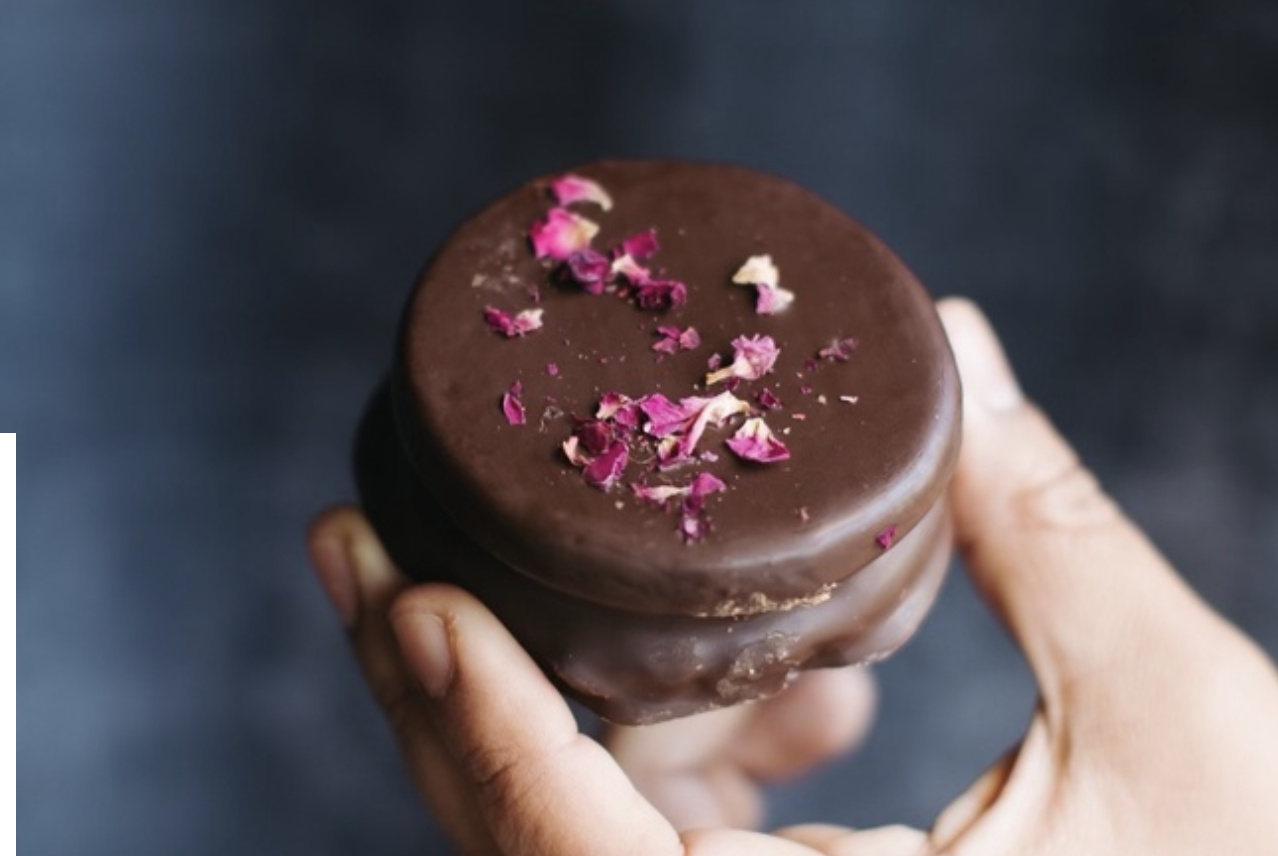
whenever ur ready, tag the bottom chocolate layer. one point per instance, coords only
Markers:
(634, 668)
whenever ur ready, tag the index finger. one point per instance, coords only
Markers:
(542, 786)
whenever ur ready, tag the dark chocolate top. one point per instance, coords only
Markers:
(872, 439)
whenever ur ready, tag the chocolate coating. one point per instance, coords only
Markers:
(856, 469)
(633, 668)
(600, 587)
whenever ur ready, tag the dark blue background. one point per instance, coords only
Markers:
(210, 212)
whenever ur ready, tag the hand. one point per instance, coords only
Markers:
(1156, 732)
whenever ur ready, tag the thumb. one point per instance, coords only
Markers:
(1083, 591)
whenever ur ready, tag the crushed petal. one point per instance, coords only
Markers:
(604, 471)
(886, 538)
(674, 340)
(753, 357)
(758, 270)
(754, 441)
(770, 301)
(660, 294)
(577, 188)
(560, 234)
(511, 326)
(840, 350)
(512, 405)
(640, 246)
(589, 269)
(768, 400)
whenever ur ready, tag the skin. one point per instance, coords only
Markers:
(1156, 729)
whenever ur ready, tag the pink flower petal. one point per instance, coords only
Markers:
(631, 271)
(760, 272)
(560, 234)
(589, 269)
(639, 246)
(674, 340)
(513, 406)
(768, 400)
(705, 484)
(659, 494)
(609, 404)
(552, 369)
(754, 441)
(712, 412)
(595, 436)
(576, 188)
(660, 294)
(887, 537)
(604, 470)
(770, 301)
(694, 529)
(511, 326)
(839, 350)
(753, 357)
(572, 451)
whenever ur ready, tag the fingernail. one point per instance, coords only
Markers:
(434, 654)
(337, 577)
(987, 377)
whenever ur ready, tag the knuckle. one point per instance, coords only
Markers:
(503, 778)
(1067, 499)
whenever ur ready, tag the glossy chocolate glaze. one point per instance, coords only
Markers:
(634, 668)
(783, 534)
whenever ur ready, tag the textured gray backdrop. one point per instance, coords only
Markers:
(209, 214)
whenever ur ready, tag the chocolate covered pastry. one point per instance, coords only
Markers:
(684, 428)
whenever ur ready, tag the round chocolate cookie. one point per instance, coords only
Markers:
(683, 427)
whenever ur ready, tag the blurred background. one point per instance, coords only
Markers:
(210, 213)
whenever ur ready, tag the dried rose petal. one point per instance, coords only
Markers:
(552, 369)
(665, 417)
(839, 350)
(609, 404)
(760, 272)
(694, 529)
(715, 361)
(576, 188)
(768, 400)
(753, 357)
(560, 234)
(714, 411)
(572, 451)
(604, 470)
(589, 269)
(770, 301)
(704, 484)
(660, 294)
(512, 326)
(513, 406)
(666, 345)
(754, 441)
(640, 246)
(631, 271)
(674, 340)
(887, 537)
(659, 494)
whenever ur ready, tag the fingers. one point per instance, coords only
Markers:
(363, 584)
(823, 714)
(705, 770)
(841, 841)
(685, 769)
(1077, 583)
(540, 785)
